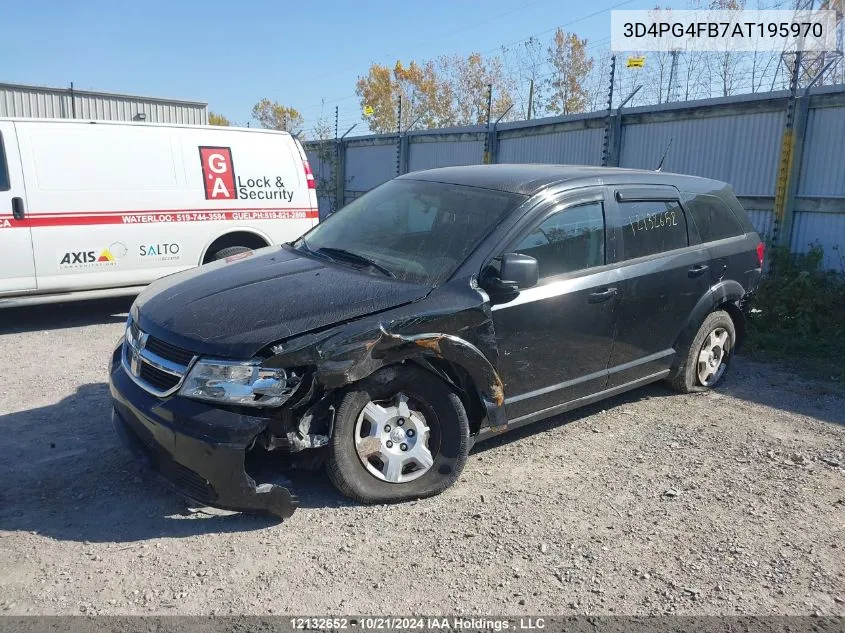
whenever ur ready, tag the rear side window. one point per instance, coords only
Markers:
(4, 171)
(714, 219)
(567, 241)
(652, 226)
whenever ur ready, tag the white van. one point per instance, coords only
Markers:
(92, 209)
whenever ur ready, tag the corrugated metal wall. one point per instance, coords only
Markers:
(736, 140)
(443, 153)
(762, 219)
(742, 149)
(58, 103)
(577, 147)
(823, 167)
(369, 164)
(824, 229)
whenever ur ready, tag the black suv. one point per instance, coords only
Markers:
(439, 308)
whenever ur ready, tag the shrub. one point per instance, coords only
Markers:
(798, 312)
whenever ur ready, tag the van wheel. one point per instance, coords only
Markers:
(708, 355)
(400, 434)
(223, 253)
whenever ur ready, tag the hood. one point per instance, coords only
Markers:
(235, 308)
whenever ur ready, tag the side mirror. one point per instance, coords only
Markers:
(520, 270)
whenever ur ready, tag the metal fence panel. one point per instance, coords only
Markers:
(576, 147)
(823, 168)
(429, 155)
(735, 139)
(740, 149)
(368, 166)
(762, 220)
(825, 229)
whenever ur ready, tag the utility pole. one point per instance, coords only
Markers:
(530, 99)
(605, 150)
(399, 136)
(339, 175)
(786, 150)
(487, 134)
(673, 74)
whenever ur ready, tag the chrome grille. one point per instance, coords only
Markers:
(155, 365)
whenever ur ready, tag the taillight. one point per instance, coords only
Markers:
(761, 250)
(309, 177)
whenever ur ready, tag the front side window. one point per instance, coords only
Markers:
(713, 218)
(414, 230)
(652, 226)
(567, 241)
(4, 171)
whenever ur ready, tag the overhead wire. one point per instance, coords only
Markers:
(520, 69)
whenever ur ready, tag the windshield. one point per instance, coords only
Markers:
(412, 230)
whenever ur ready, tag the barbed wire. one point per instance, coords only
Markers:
(745, 75)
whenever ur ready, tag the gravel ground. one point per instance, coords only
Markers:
(650, 503)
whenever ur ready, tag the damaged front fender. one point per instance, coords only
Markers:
(347, 354)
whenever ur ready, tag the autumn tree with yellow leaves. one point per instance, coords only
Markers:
(217, 119)
(272, 115)
(451, 90)
(570, 68)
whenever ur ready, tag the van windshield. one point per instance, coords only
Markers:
(412, 230)
(4, 172)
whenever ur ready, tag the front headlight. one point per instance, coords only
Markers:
(241, 383)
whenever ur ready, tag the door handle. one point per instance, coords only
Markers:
(601, 296)
(697, 271)
(17, 208)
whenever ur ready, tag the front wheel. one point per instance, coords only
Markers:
(400, 434)
(708, 355)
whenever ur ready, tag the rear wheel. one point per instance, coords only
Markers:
(400, 434)
(229, 251)
(708, 355)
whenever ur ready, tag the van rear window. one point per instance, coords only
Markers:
(714, 219)
(4, 171)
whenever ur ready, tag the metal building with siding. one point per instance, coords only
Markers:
(18, 100)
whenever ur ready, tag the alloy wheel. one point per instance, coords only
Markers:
(391, 438)
(713, 357)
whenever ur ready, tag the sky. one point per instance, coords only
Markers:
(232, 54)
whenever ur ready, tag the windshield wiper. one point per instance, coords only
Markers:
(301, 246)
(341, 253)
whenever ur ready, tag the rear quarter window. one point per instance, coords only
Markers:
(649, 227)
(713, 218)
(4, 171)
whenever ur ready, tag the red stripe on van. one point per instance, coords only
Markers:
(130, 218)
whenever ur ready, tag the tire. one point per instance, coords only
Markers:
(428, 399)
(223, 253)
(687, 377)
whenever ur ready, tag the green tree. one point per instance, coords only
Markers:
(272, 115)
(217, 119)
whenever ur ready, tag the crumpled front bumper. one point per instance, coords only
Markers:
(200, 450)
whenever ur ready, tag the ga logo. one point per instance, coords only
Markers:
(218, 173)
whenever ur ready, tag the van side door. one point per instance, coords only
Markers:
(662, 275)
(17, 272)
